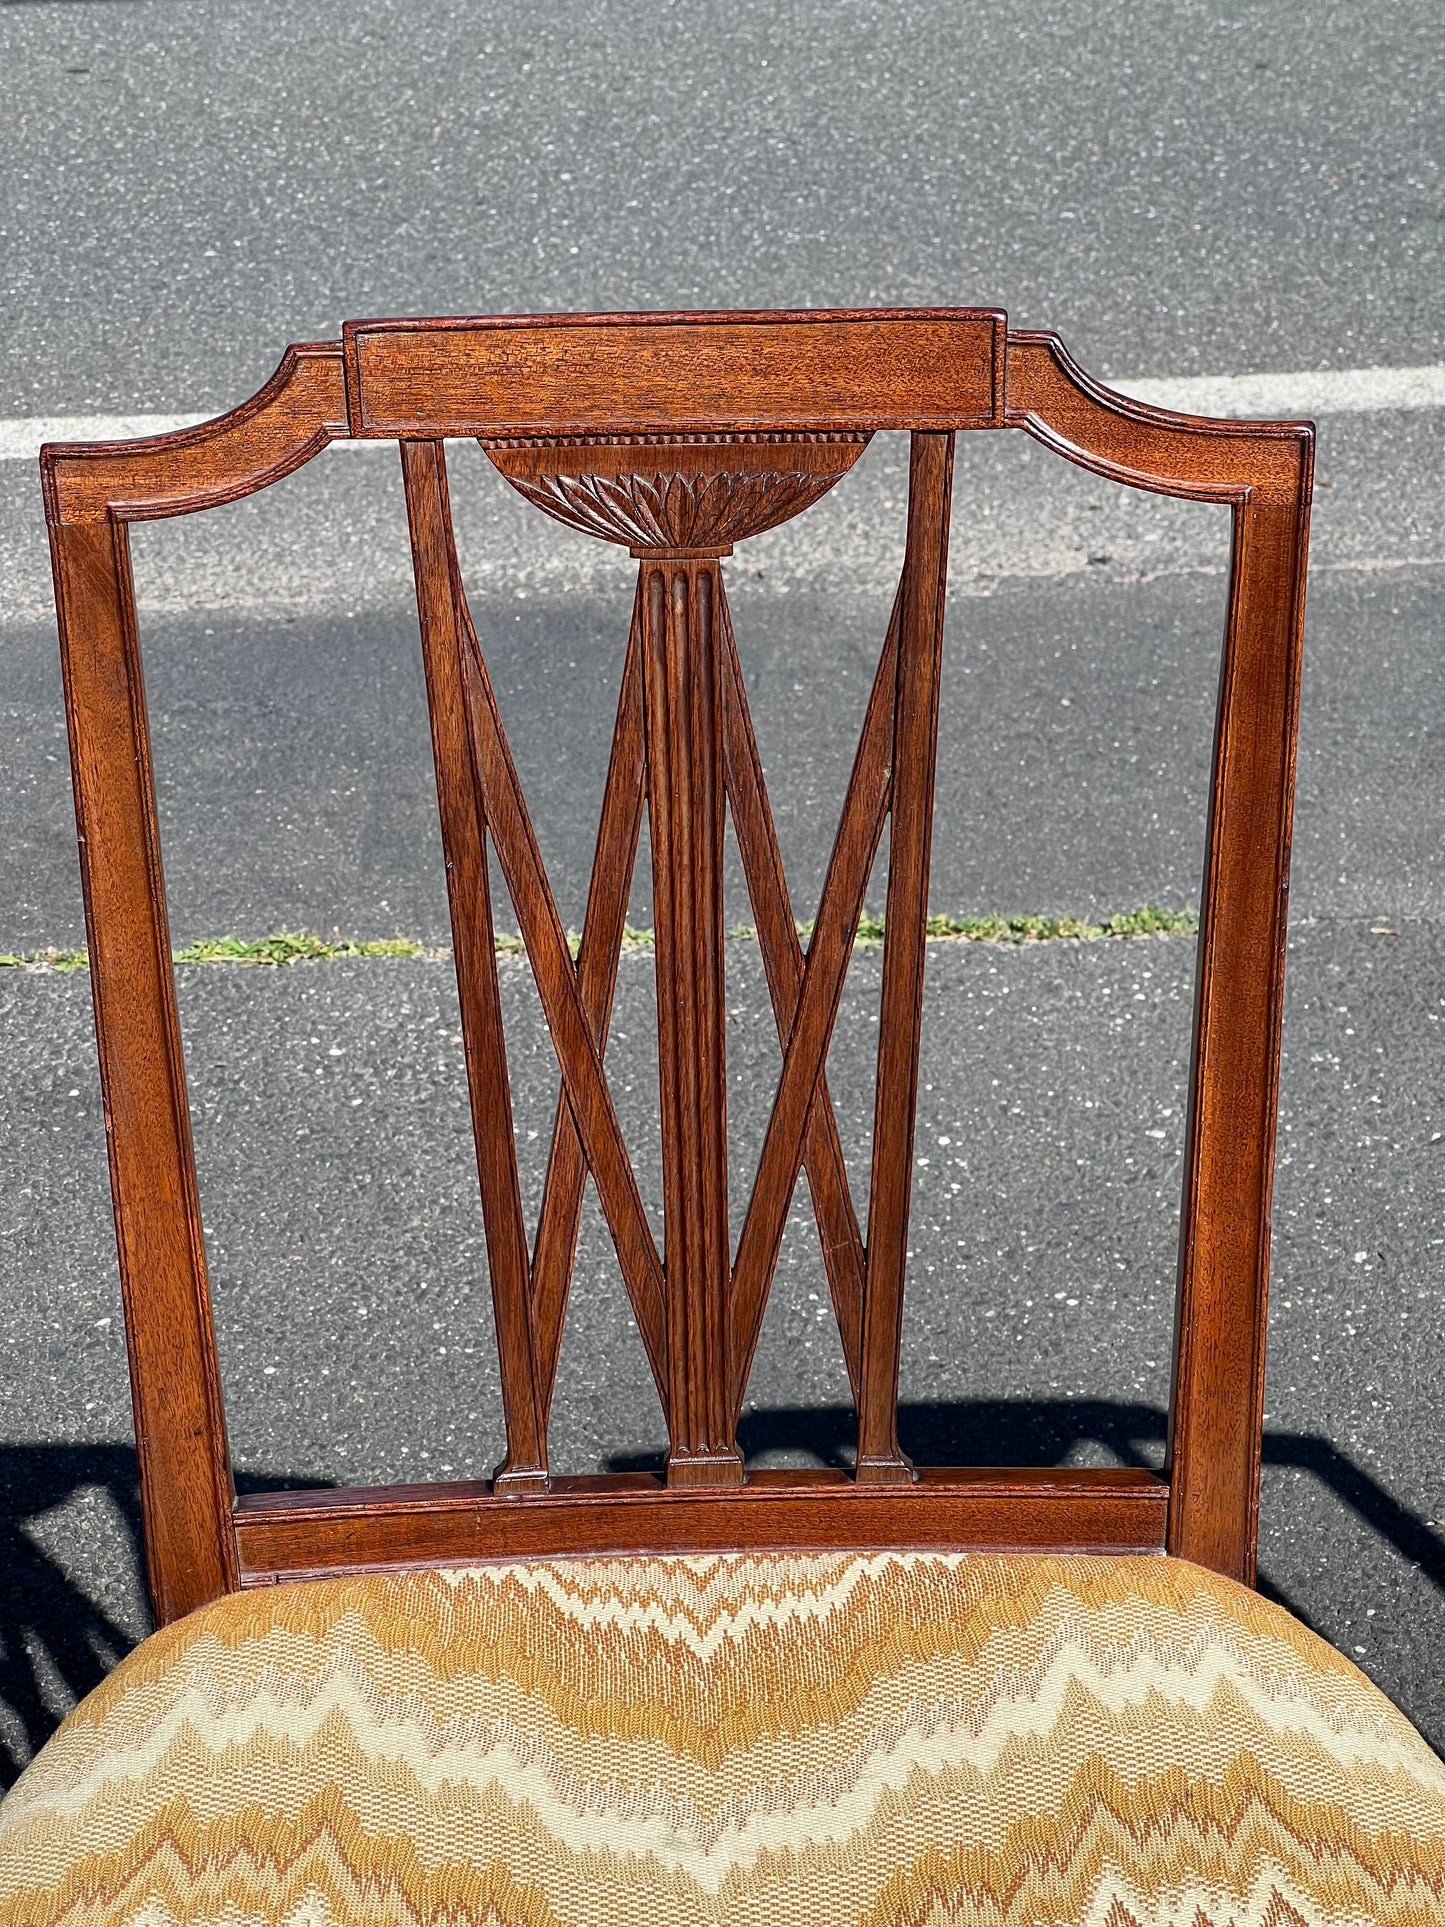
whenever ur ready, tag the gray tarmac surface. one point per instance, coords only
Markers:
(292, 747)
(1200, 189)
(1197, 187)
(293, 759)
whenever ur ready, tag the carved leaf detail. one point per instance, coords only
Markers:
(707, 511)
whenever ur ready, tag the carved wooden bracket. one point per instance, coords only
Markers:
(696, 495)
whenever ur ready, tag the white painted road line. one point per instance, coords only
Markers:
(1328, 391)
(23, 436)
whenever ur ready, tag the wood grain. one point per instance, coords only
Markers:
(915, 752)
(683, 708)
(293, 1535)
(569, 375)
(300, 410)
(461, 799)
(185, 1470)
(1264, 469)
(1217, 1403)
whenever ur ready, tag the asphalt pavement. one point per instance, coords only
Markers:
(1219, 190)
(1219, 187)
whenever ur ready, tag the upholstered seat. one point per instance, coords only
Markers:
(762, 1738)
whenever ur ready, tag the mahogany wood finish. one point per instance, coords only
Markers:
(1264, 470)
(677, 374)
(915, 745)
(678, 436)
(314, 1534)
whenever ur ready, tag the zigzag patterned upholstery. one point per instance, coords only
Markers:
(982, 1740)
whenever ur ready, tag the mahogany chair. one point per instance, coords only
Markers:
(905, 1694)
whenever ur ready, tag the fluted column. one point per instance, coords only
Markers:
(680, 601)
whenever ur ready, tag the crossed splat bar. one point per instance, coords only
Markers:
(478, 793)
(683, 743)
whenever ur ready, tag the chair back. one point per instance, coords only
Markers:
(679, 436)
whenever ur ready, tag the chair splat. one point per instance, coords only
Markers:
(684, 742)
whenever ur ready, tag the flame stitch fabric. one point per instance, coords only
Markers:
(942, 1740)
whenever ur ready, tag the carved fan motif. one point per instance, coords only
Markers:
(699, 496)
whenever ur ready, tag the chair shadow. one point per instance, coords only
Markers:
(1003, 1432)
(52, 1636)
(57, 1643)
